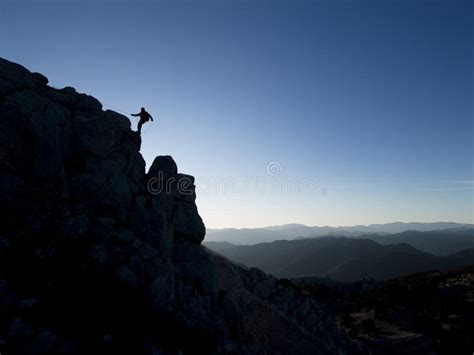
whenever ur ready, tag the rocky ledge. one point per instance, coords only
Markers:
(98, 255)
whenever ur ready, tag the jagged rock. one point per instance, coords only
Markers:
(4, 245)
(196, 266)
(43, 343)
(88, 103)
(18, 77)
(40, 78)
(229, 276)
(161, 289)
(146, 251)
(163, 168)
(18, 328)
(108, 339)
(28, 304)
(74, 226)
(125, 236)
(36, 146)
(188, 224)
(84, 232)
(184, 188)
(99, 254)
(127, 277)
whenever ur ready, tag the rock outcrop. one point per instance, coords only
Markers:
(96, 255)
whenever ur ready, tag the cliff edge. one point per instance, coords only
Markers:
(98, 255)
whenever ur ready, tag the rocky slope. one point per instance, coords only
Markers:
(97, 255)
(425, 313)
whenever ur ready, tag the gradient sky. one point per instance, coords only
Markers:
(364, 108)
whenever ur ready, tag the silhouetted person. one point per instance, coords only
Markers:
(144, 117)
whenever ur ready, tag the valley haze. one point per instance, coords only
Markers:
(292, 231)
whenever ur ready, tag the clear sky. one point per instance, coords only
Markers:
(315, 112)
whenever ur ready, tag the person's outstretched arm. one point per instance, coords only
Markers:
(135, 114)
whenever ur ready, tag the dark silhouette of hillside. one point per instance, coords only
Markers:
(438, 242)
(217, 246)
(344, 259)
(429, 312)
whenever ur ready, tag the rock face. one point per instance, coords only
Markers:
(96, 255)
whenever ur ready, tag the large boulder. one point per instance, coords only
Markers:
(162, 169)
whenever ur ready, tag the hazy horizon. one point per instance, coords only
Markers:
(336, 226)
(320, 113)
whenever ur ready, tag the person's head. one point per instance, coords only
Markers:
(143, 109)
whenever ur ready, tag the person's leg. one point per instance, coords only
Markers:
(140, 124)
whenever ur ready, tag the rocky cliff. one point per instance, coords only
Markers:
(98, 255)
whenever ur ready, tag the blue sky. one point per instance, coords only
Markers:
(365, 108)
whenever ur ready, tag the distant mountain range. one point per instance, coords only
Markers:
(351, 259)
(437, 242)
(249, 236)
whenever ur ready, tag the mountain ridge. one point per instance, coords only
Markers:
(341, 258)
(294, 230)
